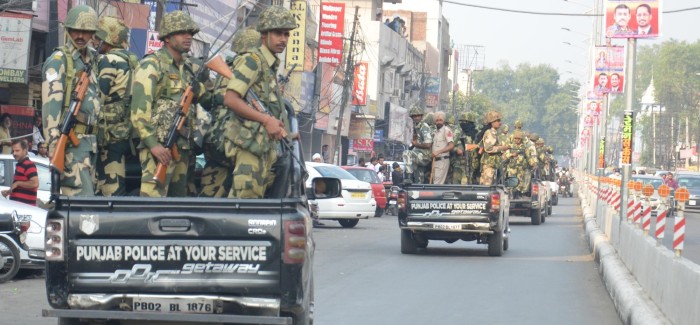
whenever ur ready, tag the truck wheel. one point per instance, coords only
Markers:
(505, 244)
(408, 244)
(543, 214)
(535, 218)
(348, 223)
(549, 209)
(69, 321)
(556, 200)
(496, 244)
(9, 260)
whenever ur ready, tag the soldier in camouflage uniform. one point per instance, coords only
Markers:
(418, 158)
(60, 73)
(461, 159)
(503, 135)
(519, 163)
(217, 176)
(493, 148)
(159, 82)
(115, 68)
(254, 144)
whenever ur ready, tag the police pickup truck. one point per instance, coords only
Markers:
(453, 212)
(243, 261)
(535, 204)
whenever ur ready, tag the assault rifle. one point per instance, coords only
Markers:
(67, 126)
(173, 132)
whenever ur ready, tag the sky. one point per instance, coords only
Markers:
(515, 38)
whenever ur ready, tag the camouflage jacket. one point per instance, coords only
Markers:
(532, 152)
(60, 73)
(518, 163)
(158, 86)
(425, 136)
(491, 156)
(114, 79)
(461, 140)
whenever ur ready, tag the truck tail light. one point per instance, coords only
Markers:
(401, 201)
(55, 235)
(495, 202)
(535, 189)
(294, 241)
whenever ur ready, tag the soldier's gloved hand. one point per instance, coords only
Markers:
(161, 154)
(274, 127)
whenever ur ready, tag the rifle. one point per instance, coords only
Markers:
(173, 132)
(468, 156)
(284, 79)
(67, 126)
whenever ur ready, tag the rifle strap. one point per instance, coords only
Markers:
(70, 75)
(133, 62)
(266, 76)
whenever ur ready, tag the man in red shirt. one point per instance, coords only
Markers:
(26, 179)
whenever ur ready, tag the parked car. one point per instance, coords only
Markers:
(368, 175)
(356, 202)
(7, 174)
(32, 253)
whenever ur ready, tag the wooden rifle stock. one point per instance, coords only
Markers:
(67, 126)
(171, 141)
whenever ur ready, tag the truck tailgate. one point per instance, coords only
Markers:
(174, 245)
(449, 203)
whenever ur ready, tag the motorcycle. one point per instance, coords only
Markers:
(13, 233)
(391, 207)
(565, 189)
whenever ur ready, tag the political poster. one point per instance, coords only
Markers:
(633, 18)
(609, 70)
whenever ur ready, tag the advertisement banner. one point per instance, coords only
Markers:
(152, 42)
(363, 144)
(594, 105)
(331, 32)
(432, 92)
(627, 136)
(633, 18)
(15, 37)
(22, 119)
(601, 153)
(359, 86)
(398, 123)
(295, 45)
(609, 70)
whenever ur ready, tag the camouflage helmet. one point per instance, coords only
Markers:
(82, 18)
(112, 31)
(449, 119)
(492, 116)
(464, 116)
(505, 128)
(518, 124)
(534, 137)
(175, 22)
(276, 18)
(416, 110)
(245, 39)
(549, 149)
(540, 141)
(517, 134)
(429, 119)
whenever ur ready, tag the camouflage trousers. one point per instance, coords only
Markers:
(458, 168)
(488, 175)
(111, 169)
(252, 174)
(420, 174)
(216, 180)
(175, 175)
(78, 177)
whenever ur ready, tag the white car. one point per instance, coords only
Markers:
(356, 202)
(7, 173)
(33, 255)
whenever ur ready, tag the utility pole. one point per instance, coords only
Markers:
(347, 82)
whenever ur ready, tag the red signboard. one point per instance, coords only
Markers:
(363, 144)
(22, 119)
(331, 30)
(359, 87)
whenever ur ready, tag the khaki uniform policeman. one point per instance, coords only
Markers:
(491, 158)
(443, 143)
(418, 158)
(217, 176)
(253, 144)
(159, 82)
(60, 73)
(115, 69)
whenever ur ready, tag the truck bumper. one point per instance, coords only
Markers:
(195, 318)
(456, 227)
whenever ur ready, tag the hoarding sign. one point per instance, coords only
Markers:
(610, 70)
(601, 153)
(331, 32)
(633, 18)
(627, 136)
(22, 119)
(363, 144)
(15, 37)
(295, 45)
(359, 87)
(152, 42)
(432, 92)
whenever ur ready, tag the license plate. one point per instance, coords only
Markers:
(167, 305)
(392, 202)
(446, 226)
(692, 202)
(358, 195)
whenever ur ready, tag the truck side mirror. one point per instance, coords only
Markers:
(324, 188)
(512, 182)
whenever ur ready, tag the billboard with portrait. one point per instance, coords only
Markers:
(609, 70)
(633, 18)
